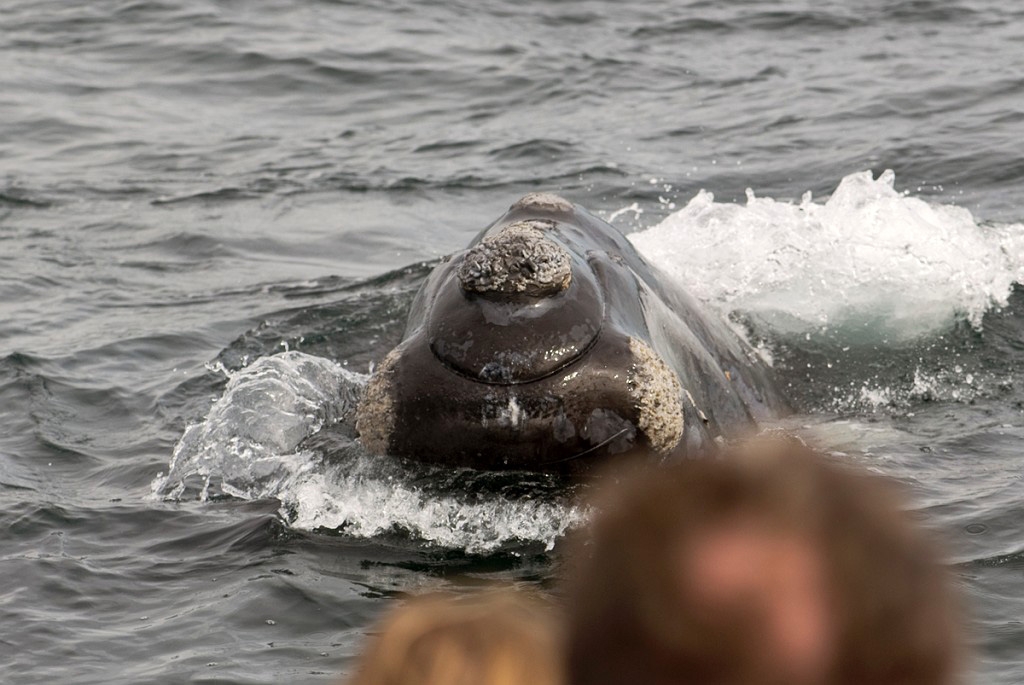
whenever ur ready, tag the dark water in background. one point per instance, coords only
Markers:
(194, 181)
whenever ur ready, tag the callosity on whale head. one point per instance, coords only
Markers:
(550, 344)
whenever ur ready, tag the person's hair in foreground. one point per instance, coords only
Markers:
(496, 638)
(771, 564)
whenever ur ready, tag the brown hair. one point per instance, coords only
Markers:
(498, 638)
(886, 604)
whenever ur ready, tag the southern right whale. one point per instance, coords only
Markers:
(550, 344)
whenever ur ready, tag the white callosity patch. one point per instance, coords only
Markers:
(375, 417)
(869, 261)
(248, 447)
(545, 202)
(657, 393)
(518, 259)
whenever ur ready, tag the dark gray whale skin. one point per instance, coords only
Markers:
(551, 345)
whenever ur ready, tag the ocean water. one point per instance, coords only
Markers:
(214, 215)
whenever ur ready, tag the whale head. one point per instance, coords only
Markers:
(524, 352)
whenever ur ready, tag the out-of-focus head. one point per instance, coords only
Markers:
(490, 639)
(770, 565)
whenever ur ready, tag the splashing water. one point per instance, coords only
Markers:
(246, 445)
(364, 497)
(250, 446)
(871, 262)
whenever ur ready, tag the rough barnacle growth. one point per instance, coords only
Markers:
(375, 417)
(544, 202)
(657, 393)
(519, 259)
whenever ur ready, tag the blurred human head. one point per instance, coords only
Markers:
(491, 639)
(769, 565)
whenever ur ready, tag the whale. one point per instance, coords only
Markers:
(549, 344)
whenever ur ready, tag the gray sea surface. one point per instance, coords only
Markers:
(206, 203)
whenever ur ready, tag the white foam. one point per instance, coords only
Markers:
(359, 499)
(870, 262)
(248, 447)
